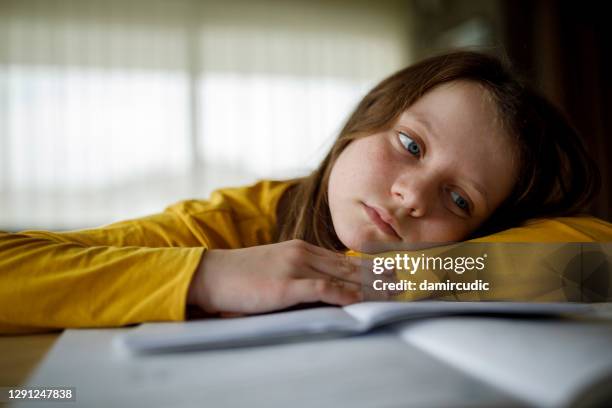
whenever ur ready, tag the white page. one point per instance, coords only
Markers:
(231, 332)
(545, 362)
(314, 322)
(373, 370)
(371, 314)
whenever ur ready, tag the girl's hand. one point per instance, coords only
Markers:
(272, 277)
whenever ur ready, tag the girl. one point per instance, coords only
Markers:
(448, 149)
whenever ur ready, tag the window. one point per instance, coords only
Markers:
(114, 109)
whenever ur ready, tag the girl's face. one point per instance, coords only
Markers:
(435, 176)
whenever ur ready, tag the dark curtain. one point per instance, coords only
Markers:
(566, 48)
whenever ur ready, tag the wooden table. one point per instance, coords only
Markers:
(20, 355)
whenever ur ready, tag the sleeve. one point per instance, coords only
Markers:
(128, 272)
(125, 273)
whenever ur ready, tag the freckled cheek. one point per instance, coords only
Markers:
(379, 165)
(363, 171)
(444, 230)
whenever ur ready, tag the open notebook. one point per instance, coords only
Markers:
(298, 325)
(469, 361)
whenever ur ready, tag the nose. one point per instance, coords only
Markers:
(414, 194)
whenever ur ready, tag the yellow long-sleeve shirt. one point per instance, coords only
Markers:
(128, 272)
(139, 270)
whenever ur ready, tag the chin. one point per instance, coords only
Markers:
(353, 240)
(365, 243)
(351, 243)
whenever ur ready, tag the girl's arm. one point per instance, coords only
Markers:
(128, 272)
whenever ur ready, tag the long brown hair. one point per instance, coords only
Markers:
(556, 175)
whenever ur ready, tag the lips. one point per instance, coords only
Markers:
(378, 218)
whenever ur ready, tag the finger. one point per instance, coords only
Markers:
(388, 277)
(355, 276)
(360, 262)
(321, 290)
(312, 273)
(317, 250)
(338, 267)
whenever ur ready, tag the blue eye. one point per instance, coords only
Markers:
(409, 144)
(460, 201)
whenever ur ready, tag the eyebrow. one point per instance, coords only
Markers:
(482, 191)
(476, 186)
(426, 125)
